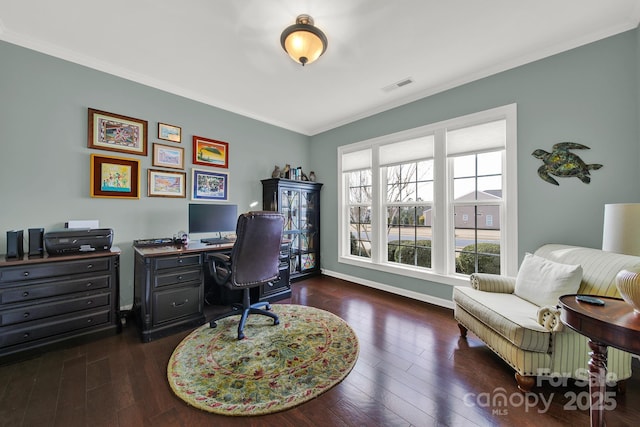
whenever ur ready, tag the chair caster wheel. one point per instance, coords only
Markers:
(240, 336)
(276, 322)
(213, 325)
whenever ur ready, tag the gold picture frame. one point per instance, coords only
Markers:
(114, 177)
(162, 183)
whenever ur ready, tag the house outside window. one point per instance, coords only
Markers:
(437, 202)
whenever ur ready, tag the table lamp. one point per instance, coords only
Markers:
(621, 234)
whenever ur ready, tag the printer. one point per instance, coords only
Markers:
(78, 240)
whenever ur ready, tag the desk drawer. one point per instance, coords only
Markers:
(175, 303)
(32, 331)
(178, 277)
(51, 269)
(177, 261)
(40, 311)
(50, 289)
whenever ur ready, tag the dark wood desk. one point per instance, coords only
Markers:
(169, 286)
(614, 324)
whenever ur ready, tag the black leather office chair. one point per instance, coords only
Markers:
(253, 261)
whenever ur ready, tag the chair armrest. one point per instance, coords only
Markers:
(493, 283)
(221, 258)
(549, 318)
(219, 267)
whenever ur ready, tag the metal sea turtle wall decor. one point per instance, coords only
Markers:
(563, 163)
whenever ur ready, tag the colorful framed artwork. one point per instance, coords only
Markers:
(113, 132)
(209, 152)
(208, 185)
(115, 177)
(166, 156)
(166, 183)
(169, 132)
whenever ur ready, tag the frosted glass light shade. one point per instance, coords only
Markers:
(621, 231)
(302, 41)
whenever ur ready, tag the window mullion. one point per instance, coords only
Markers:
(378, 241)
(439, 220)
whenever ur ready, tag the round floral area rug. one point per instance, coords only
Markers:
(275, 367)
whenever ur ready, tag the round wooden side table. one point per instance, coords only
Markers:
(614, 324)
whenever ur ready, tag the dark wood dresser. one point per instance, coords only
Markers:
(57, 299)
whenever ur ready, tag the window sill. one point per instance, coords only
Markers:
(408, 271)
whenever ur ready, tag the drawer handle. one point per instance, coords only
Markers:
(25, 294)
(174, 304)
(26, 314)
(90, 302)
(89, 284)
(180, 261)
(89, 266)
(26, 274)
(26, 335)
(90, 320)
(179, 277)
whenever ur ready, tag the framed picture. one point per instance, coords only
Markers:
(115, 177)
(208, 185)
(209, 152)
(168, 157)
(113, 132)
(169, 132)
(166, 183)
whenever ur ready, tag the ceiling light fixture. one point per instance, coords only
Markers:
(303, 41)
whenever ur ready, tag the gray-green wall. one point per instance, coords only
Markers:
(44, 160)
(588, 95)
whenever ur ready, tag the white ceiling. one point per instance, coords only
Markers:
(227, 53)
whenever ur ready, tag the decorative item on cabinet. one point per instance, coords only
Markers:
(285, 171)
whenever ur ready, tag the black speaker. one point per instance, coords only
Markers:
(36, 241)
(14, 244)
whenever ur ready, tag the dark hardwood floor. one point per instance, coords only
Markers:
(413, 370)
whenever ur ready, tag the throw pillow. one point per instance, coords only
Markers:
(542, 281)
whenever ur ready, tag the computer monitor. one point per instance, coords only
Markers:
(212, 218)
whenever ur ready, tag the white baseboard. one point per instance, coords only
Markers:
(392, 289)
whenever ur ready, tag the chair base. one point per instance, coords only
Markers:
(244, 311)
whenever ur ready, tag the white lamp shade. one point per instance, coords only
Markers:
(621, 231)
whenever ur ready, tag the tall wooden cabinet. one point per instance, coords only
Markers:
(299, 202)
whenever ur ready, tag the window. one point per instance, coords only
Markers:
(436, 202)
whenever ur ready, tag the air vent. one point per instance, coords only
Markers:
(398, 84)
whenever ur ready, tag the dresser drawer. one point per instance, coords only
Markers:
(40, 311)
(52, 269)
(31, 331)
(49, 289)
(177, 277)
(175, 303)
(177, 261)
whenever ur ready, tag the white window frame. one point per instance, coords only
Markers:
(443, 270)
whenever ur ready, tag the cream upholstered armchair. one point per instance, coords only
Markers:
(517, 317)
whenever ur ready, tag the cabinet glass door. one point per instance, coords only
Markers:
(290, 208)
(308, 230)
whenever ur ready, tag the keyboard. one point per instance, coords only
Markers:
(216, 241)
(163, 241)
